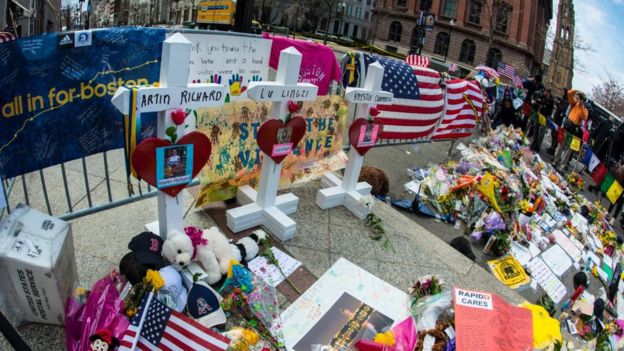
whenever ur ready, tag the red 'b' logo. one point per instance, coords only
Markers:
(154, 246)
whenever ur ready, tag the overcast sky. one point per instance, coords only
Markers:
(599, 23)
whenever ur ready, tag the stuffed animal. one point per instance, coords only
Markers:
(377, 178)
(210, 248)
(103, 340)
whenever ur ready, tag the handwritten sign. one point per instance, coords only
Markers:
(269, 272)
(273, 91)
(547, 280)
(360, 95)
(233, 61)
(557, 260)
(153, 99)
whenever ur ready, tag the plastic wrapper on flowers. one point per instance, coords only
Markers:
(428, 309)
(402, 337)
(264, 305)
(102, 309)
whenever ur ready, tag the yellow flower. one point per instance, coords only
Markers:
(386, 338)
(594, 271)
(154, 279)
(250, 336)
(130, 312)
(546, 330)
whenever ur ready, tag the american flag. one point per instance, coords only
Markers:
(488, 71)
(418, 100)
(459, 120)
(8, 34)
(509, 72)
(417, 60)
(165, 329)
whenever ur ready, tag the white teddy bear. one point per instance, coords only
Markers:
(210, 248)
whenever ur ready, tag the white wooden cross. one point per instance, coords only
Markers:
(264, 207)
(348, 191)
(172, 92)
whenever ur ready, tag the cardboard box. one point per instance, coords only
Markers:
(37, 266)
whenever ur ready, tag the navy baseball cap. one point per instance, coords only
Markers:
(147, 248)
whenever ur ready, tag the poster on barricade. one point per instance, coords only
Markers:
(231, 60)
(56, 89)
(236, 158)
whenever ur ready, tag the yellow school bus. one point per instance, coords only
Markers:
(216, 13)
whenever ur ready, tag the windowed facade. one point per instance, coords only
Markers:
(494, 57)
(475, 11)
(401, 3)
(425, 5)
(503, 15)
(358, 12)
(418, 35)
(441, 44)
(467, 52)
(395, 31)
(449, 8)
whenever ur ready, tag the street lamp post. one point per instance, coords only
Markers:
(341, 9)
(448, 45)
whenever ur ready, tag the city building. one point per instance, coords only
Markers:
(561, 66)
(30, 17)
(352, 18)
(183, 11)
(467, 32)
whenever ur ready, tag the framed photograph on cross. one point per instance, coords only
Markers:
(174, 165)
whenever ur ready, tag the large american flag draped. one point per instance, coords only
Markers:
(165, 329)
(418, 100)
(460, 120)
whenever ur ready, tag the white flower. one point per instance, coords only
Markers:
(367, 201)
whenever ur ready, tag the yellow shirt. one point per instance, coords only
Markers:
(578, 112)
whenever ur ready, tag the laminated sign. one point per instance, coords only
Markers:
(486, 322)
(509, 271)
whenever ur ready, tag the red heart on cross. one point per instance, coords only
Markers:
(267, 135)
(144, 158)
(354, 135)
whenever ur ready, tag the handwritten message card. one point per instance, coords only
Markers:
(233, 61)
(269, 272)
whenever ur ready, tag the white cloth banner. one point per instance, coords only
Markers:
(593, 162)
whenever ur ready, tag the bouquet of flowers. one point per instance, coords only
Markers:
(575, 180)
(426, 286)
(525, 207)
(609, 241)
(502, 244)
(429, 300)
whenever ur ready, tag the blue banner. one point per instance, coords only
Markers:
(56, 90)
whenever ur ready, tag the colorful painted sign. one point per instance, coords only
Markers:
(233, 131)
(231, 60)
